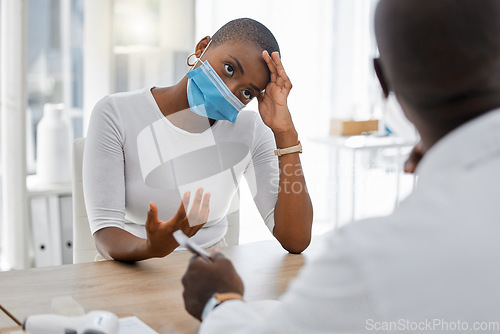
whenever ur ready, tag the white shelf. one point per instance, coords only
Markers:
(364, 142)
(349, 164)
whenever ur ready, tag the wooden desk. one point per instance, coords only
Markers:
(150, 290)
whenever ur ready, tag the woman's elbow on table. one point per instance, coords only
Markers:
(294, 243)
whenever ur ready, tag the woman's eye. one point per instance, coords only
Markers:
(229, 69)
(247, 94)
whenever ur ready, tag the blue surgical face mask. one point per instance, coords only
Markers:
(209, 96)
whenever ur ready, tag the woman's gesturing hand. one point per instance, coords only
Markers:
(273, 106)
(159, 233)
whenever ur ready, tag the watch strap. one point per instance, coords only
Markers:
(218, 298)
(292, 149)
(222, 297)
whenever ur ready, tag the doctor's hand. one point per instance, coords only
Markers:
(202, 279)
(273, 106)
(160, 240)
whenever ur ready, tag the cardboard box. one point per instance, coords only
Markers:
(342, 127)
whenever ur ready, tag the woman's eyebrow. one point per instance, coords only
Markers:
(256, 88)
(238, 63)
(243, 72)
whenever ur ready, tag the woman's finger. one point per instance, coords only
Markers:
(275, 56)
(270, 65)
(287, 84)
(283, 80)
(277, 61)
(204, 209)
(201, 216)
(192, 216)
(152, 214)
(181, 212)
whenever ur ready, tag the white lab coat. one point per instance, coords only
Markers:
(433, 266)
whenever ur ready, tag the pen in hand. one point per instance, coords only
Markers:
(184, 241)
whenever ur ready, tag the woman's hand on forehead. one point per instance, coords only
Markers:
(273, 106)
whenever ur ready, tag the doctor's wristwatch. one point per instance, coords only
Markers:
(217, 299)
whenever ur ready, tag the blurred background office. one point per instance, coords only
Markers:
(73, 52)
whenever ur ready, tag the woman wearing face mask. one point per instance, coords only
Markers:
(163, 159)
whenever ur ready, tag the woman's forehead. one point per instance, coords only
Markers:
(247, 54)
(239, 47)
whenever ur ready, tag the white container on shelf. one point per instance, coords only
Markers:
(54, 137)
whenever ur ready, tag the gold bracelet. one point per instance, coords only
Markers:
(292, 149)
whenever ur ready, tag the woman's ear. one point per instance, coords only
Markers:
(380, 75)
(202, 44)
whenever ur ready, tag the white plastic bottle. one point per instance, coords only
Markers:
(54, 138)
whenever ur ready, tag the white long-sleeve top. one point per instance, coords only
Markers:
(134, 155)
(430, 267)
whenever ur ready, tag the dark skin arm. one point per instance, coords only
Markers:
(293, 214)
(217, 276)
(115, 243)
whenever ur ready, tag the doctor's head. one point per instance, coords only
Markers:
(441, 59)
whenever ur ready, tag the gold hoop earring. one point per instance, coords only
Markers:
(189, 57)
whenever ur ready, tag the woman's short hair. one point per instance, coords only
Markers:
(246, 29)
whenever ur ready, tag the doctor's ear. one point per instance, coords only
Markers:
(380, 75)
(201, 46)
